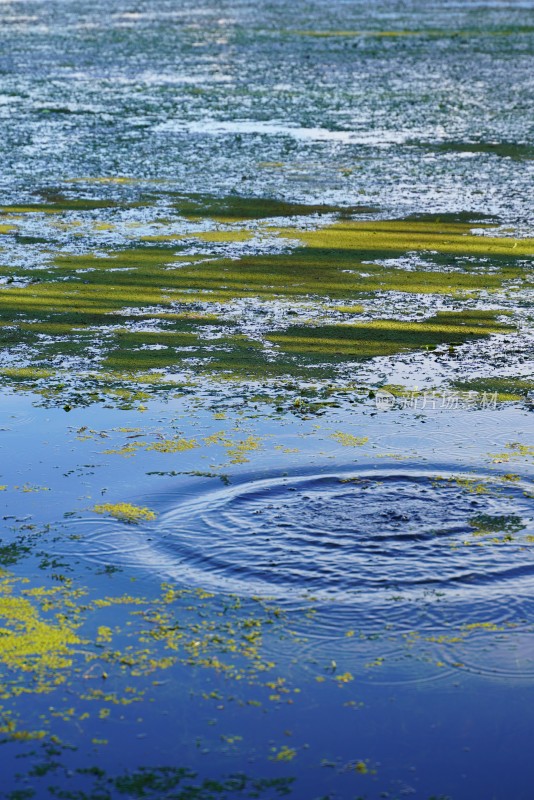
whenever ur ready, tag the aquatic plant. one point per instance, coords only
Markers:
(126, 512)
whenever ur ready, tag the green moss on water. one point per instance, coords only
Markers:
(89, 304)
(500, 529)
(515, 151)
(31, 643)
(224, 236)
(58, 203)
(411, 235)
(386, 337)
(25, 373)
(153, 783)
(173, 446)
(348, 440)
(14, 552)
(125, 512)
(216, 236)
(505, 389)
(235, 208)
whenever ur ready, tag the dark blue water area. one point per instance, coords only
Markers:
(395, 652)
(460, 738)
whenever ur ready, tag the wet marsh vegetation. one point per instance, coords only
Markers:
(266, 401)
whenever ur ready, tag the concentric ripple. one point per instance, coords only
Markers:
(368, 535)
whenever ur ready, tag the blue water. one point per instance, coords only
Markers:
(325, 618)
(379, 580)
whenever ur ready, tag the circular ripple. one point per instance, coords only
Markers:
(493, 652)
(380, 534)
(378, 658)
(9, 420)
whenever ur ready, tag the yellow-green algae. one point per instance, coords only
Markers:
(170, 446)
(500, 529)
(37, 646)
(503, 388)
(126, 512)
(80, 301)
(179, 445)
(348, 440)
(58, 204)
(514, 450)
(224, 236)
(236, 208)
(411, 235)
(237, 449)
(470, 485)
(386, 337)
(43, 649)
(97, 670)
(285, 753)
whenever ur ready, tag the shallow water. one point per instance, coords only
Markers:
(266, 400)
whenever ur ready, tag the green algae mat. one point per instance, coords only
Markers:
(258, 299)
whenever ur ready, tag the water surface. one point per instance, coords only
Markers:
(266, 404)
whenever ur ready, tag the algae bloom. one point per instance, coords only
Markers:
(126, 512)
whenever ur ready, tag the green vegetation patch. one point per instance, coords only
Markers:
(52, 201)
(498, 528)
(387, 337)
(235, 208)
(401, 236)
(507, 388)
(154, 307)
(125, 512)
(40, 646)
(434, 33)
(515, 150)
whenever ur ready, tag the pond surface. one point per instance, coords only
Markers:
(266, 400)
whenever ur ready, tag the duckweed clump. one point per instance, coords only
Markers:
(348, 440)
(31, 644)
(125, 512)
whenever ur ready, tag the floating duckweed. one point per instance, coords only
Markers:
(173, 445)
(505, 389)
(284, 754)
(21, 735)
(126, 512)
(469, 485)
(513, 450)
(346, 677)
(224, 236)
(409, 235)
(337, 267)
(31, 644)
(104, 634)
(347, 440)
(237, 450)
(127, 450)
(487, 525)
